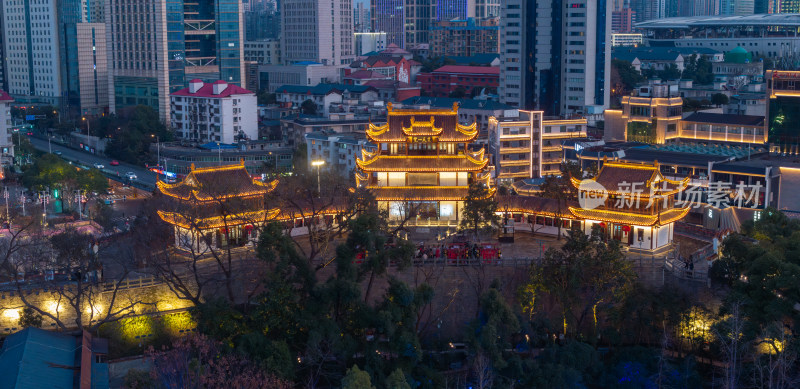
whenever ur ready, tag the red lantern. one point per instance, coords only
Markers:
(603, 224)
(626, 228)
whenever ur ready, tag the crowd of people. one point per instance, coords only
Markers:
(458, 251)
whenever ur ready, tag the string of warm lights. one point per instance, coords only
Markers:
(622, 217)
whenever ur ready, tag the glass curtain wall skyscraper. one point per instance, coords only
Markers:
(55, 54)
(158, 46)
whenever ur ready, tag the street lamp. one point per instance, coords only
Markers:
(87, 133)
(318, 163)
(6, 196)
(158, 152)
(44, 198)
(79, 199)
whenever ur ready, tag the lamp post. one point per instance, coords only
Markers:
(158, 153)
(318, 163)
(45, 199)
(219, 154)
(158, 148)
(87, 133)
(78, 198)
(5, 195)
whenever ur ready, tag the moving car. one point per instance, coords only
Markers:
(99, 166)
(130, 175)
(57, 152)
(114, 162)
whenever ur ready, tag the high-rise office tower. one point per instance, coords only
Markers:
(158, 46)
(555, 56)
(261, 21)
(409, 22)
(622, 21)
(784, 6)
(736, 7)
(487, 8)
(84, 64)
(389, 16)
(419, 17)
(32, 51)
(406, 22)
(462, 9)
(706, 7)
(649, 9)
(454, 9)
(764, 6)
(56, 54)
(318, 31)
(361, 18)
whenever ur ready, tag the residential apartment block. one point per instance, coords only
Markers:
(214, 112)
(530, 145)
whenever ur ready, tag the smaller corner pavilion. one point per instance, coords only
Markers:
(638, 207)
(217, 207)
(634, 204)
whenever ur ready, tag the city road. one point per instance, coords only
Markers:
(143, 176)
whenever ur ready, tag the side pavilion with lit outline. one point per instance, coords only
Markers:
(423, 166)
(217, 207)
(646, 223)
(645, 219)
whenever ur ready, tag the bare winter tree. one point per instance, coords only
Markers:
(730, 336)
(776, 367)
(210, 257)
(61, 277)
(198, 233)
(323, 216)
(483, 370)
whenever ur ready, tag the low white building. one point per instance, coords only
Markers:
(367, 42)
(6, 143)
(329, 98)
(218, 112)
(339, 151)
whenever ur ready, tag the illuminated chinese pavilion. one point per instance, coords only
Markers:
(217, 207)
(423, 166)
(633, 203)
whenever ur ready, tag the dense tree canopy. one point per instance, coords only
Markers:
(698, 69)
(130, 133)
(50, 171)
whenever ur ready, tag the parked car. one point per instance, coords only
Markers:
(99, 166)
(130, 175)
(114, 162)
